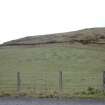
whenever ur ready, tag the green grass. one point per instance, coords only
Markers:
(82, 68)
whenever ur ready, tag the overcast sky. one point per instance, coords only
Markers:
(19, 18)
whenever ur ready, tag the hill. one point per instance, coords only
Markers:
(82, 62)
(86, 36)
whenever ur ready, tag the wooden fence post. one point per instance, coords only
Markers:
(104, 80)
(18, 82)
(60, 81)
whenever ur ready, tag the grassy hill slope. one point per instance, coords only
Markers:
(82, 66)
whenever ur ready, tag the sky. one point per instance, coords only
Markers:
(20, 18)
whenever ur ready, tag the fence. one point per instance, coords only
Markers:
(55, 81)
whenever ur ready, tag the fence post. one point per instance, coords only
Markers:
(104, 80)
(18, 82)
(60, 81)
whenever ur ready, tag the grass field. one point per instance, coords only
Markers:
(81, 67)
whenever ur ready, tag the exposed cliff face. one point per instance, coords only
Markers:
(86, 36)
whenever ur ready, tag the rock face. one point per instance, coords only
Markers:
(85, 36)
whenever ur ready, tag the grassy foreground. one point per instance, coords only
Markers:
(82, 69)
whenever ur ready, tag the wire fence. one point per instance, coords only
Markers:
(56, 81)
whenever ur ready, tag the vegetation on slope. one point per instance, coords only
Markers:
(82, 68)
(82, 64)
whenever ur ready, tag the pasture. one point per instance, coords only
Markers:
(40, 66)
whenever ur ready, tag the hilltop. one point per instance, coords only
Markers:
(85, 36)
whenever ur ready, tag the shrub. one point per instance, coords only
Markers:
(91, 90)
